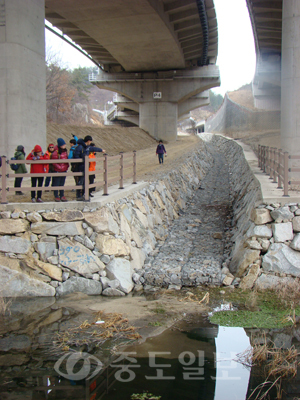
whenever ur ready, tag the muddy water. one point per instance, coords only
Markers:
(191, 360)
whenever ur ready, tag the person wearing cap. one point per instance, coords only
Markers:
(60, 153)
(49, 167)
(20, 155)
(84, 148)
(37, 154)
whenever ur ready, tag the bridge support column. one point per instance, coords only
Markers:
(159, 94)
(159, 119)
(22, 75)
(290, 77)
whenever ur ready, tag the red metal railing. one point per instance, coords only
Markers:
(112, 169)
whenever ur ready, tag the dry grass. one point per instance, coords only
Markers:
(113, 326)
(275, 362)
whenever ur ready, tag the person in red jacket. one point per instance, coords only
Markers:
(60, 153)
(37, 154)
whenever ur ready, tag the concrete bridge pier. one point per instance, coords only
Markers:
(161, 95)
(23, 75)
(290, 77)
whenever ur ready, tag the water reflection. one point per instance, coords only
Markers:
(192, 361)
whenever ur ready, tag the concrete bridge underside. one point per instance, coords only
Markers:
(276, 84)
(123, 37)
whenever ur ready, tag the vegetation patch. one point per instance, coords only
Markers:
(268, 309)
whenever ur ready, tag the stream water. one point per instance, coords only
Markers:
(191, 360)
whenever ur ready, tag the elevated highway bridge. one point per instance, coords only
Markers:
(158, 54)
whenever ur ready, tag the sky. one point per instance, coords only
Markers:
(236, 53)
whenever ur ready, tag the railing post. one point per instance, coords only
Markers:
(3, 180)
(280, 160)
(86, 178)
(286, 175)
(275, 165)
(105, 175)
(121, 170)
(134, 166)
(263, 166)
(259, 156)
(267, 160)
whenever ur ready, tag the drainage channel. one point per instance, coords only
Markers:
(198, 243)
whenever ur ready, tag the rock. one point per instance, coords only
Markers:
(296, 224)
(264, 282)
(111, 246)
(124, 209)
(13, 226)
(282, 259)
(52, 271)
(78, 258)
(102, 221)
(138, 258)
(281, 213)
(58, 228)
(295, 244)
(15, 342)
(261, 216)
(45, 249)
(283, 232)
(227, 281)
(104, 280)
(120, 269)
(65, 276)
(88, 243)
(13, 360)
(64, 216)
(248, 257)
(248, 281)
(265, 244)
(78, 284)
(18, 284)
(5, 214)
(254, 244)
(218, 235)
(141, 217)
(11, 244)
(112, 292)
(105, 258)
(136, 278)
(262, 231)
(34, 217)
(174, 287)
(114, 284)
(138, 288)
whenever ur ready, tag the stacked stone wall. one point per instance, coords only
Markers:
(104, 250)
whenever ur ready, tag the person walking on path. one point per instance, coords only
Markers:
(20, 155)
(60, 153)
(160, 151)
(84, 148)
(37, 154)
(49, 167)
(92, 168)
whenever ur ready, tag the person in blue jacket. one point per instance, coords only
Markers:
(73, 144)
(84, 148)
(160, 151)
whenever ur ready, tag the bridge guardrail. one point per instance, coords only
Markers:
(114, 169)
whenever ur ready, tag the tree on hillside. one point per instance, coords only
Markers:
(59, 94)
(215, 100)
(80, 81)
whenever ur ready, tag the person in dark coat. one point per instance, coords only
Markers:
(84, 148)
(20, 155)
(160, 151)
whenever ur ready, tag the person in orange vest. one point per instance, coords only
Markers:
(92, 167)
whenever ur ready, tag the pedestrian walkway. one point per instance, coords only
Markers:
(270, 193)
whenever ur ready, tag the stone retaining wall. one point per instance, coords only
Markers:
(236, 121)
(103, 250)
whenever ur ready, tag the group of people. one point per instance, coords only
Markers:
(79, 149)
